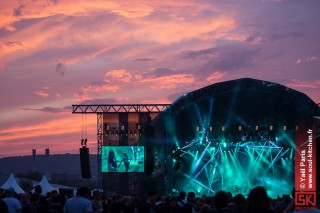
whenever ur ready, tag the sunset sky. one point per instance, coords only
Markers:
(55, 53)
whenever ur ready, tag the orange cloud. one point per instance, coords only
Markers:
(72, 127)
(169, 82)
(118, 75)
(216, 76)
(50, 128)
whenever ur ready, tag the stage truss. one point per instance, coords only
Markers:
(206, 165)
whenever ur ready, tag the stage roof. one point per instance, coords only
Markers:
(247, 102)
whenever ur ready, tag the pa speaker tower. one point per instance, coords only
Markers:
(85, 163)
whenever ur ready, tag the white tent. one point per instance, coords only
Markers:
(11, 182)
(45, 185)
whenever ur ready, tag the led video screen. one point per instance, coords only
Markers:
(122, 158)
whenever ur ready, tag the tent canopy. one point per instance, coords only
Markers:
(11, 182)
(45, 185)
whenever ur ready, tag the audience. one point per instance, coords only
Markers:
(258, 201)
(85, 201)
(12, 203)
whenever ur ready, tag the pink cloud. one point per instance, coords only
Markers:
(95, 91)
(168, 82)
(312, 58)
(117, 75)
(215, 77)
(298, 83)
(157, 101)
(28, 137)
(41, 93)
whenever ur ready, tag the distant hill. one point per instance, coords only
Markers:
(68, 164)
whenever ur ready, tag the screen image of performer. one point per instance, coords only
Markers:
(126, 161)
(112, 162)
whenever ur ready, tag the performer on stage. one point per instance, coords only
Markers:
(126, 161)
(112, 162)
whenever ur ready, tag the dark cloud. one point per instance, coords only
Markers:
(279, 36)
(52, 109)
(60, 68)
(223, 58)
(18, 11)
(98, 83)
(251, 39)
(233, 60)
(199, 53)
(165, 71)
(99, 101)
(12, 43)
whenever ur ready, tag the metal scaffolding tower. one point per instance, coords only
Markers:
(101, 109)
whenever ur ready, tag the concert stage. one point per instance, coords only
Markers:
(231, 135)
(236, 135)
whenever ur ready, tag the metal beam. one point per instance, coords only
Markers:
(116, 108)
(99, 144)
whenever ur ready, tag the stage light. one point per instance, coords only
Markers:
(105, 126)
(138, 126)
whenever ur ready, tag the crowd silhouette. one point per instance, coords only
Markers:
(88, 201)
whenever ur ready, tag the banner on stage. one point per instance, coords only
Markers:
(305, 165)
